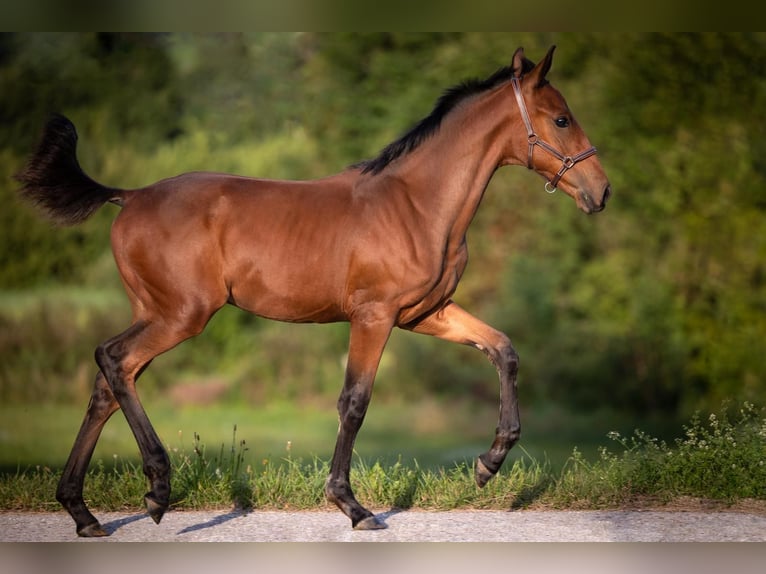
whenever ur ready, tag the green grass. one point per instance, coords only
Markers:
(721, 457)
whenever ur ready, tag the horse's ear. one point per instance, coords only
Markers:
(542, 69)
(517, 63)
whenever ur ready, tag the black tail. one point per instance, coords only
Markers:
(54, 180)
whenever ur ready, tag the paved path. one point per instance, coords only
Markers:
(100, 556)
(407, 526)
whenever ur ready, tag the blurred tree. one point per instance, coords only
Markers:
(369, 88)
(240, 87)
(127, 76)
(657, 304)
(662, 307)
(118, 86)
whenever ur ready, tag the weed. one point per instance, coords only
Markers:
(717, 459)
(200, 482)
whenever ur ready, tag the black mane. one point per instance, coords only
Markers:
(429, 125)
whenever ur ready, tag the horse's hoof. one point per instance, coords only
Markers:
(155, 509)
(94, 530)
(370, 523)
(482, 474)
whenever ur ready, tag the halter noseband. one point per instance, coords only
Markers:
(567, 161)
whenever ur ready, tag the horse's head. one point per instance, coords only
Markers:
(556, 147)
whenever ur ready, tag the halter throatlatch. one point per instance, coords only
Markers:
(567, 161)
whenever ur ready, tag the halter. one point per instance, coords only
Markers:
(567, 161)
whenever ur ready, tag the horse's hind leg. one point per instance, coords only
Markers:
(69, 493)
(122, 359)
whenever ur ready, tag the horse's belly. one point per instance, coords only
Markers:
(287, 297)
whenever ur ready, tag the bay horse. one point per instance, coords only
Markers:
(380, 245)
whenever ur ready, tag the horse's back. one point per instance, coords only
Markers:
(215, 202)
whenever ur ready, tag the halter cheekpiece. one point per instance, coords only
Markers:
(567, 161)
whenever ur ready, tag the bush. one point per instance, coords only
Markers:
(47, 340)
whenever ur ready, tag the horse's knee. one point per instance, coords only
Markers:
(510, 358)
(503, 355)
(352, 406)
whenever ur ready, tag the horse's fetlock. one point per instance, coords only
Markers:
(330, 492)
(157, 466)
(66, 495)
(338, 491)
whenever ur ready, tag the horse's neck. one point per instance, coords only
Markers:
(448, 174)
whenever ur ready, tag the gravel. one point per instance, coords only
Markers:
(403, 526)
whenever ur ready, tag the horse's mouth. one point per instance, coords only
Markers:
(587, 204)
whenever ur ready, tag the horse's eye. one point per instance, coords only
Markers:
(562, 122)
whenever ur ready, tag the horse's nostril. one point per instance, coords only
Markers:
(605, 197)
(607, 194)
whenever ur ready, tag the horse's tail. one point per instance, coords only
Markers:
(55, 182)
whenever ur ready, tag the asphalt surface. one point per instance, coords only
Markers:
(403, 526)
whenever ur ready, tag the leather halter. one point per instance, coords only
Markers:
(567, 161)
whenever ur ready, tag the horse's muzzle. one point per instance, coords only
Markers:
(589, 205)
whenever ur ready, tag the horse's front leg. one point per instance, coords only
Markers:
(452, 323)
(369, 334)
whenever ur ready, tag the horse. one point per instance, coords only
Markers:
(382, 244)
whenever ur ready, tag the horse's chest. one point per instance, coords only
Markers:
(439, 290)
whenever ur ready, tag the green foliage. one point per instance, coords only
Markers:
(657, 305)
(125, 80)
(47, 339)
